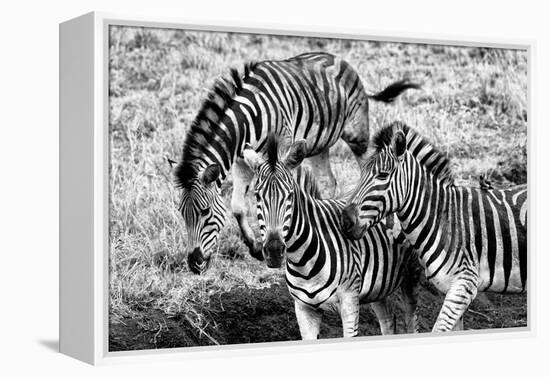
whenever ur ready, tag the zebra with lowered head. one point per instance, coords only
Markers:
(314, 96)
(324, 270)
(468, 239)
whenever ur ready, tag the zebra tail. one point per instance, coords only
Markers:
(392, 91)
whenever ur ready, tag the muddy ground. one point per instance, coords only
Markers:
(265, 315)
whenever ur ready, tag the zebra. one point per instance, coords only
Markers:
(312, 96)
(324, 270)
(468, 239)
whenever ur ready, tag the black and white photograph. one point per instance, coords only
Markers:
(277, 188)
(288, 188)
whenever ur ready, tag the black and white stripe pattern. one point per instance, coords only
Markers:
(312, 96)
(204, 212)
(468, 239)
(324, 269)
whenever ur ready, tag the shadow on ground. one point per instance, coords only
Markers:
(52, 345)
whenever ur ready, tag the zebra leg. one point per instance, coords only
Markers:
(409, 292)
(458, 298)
(320, 165)
(459, 324)
(410, 299)
(309, 320)
(242, 176)
(349, 313)
(383, 313)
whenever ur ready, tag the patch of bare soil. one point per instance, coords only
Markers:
(266, 315)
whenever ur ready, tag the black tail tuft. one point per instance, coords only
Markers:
(390, 93)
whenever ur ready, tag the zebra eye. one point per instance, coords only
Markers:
(205, 211)
(382, 175)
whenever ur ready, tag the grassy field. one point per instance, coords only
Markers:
(472, 105)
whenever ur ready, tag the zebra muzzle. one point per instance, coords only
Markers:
(197, 262)
(274, 252)
(350, 223)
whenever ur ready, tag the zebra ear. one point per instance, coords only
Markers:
(252, 159)
(399, 144)
(296, 154)
(210, 174)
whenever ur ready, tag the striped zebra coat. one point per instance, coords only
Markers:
(324, 270)
(314, 96)
(468, 239)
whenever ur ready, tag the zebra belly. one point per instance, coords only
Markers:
(495, 277)
(319, 138)
(322, 302)
(329, 299)
(499, 285)
(501, 240)
(444, 279)
(321, 291)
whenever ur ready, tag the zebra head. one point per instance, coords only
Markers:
(274, 190)
(381, 186)
(203, 213)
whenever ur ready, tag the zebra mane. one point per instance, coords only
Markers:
(272, 150)
(432, 159)
(302, 174)
(220, 97)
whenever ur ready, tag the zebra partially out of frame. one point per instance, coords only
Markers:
(313, 96)
(468, 239)
(324, 270)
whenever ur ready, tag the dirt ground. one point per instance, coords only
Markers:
(266, 315)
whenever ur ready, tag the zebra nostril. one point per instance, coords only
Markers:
(273, 250)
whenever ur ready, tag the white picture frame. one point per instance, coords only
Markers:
(84, 161)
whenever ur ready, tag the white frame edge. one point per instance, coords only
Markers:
(76, 195)
(84, 182)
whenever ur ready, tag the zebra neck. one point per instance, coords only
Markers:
(301, 233)
(429, 217)
(221, 139)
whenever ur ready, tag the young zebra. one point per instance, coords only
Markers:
(313, 96)
(468, 239)
(324, 270)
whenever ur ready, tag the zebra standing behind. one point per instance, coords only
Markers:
(312, 96)
(468, 239)
(324, 270)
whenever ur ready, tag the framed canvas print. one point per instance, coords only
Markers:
(229, 189)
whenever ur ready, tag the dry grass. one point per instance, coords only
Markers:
(473, 106)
